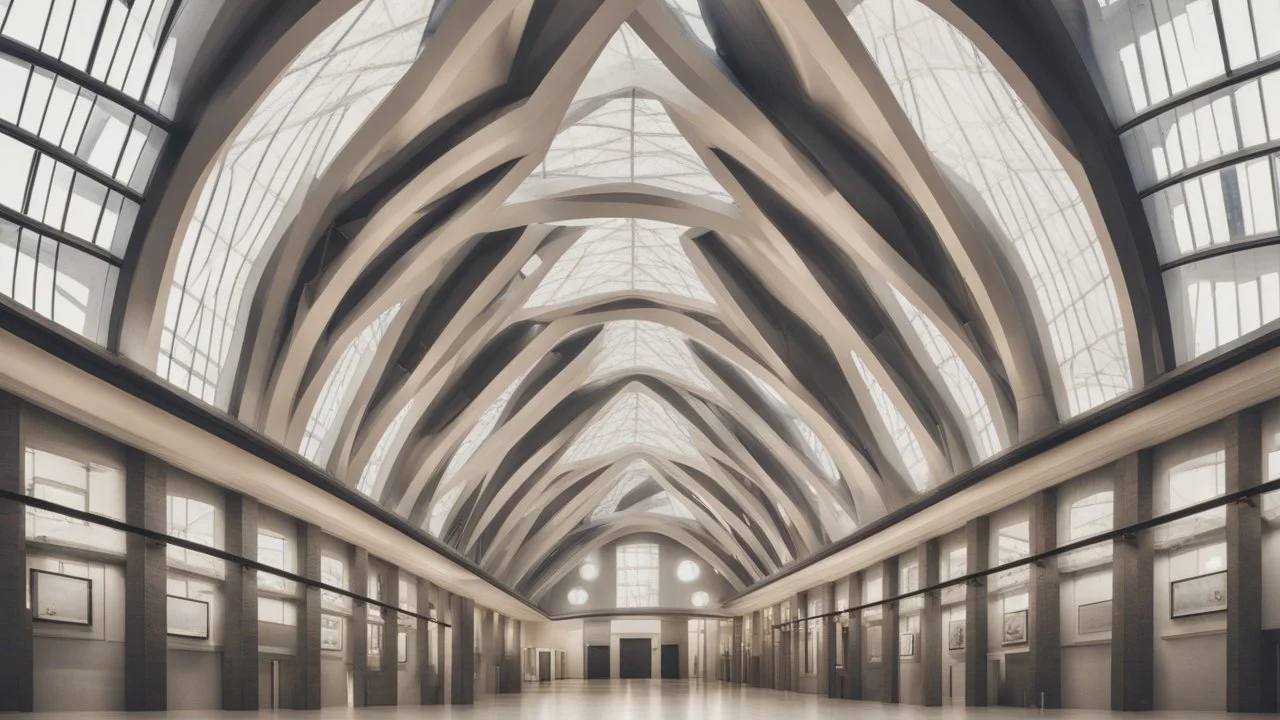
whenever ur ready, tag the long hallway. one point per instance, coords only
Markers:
(646, 700)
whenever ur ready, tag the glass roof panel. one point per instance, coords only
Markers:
(334, 398)
(664, 504)
(1238, 117)
(904, 438)
(372, 469)
(440, 511)
(480, 432)
(640, 345)
(139, 47)
(974, 123)
(628, 138)
(1219, 299)
(959, 382)
(289, 140)
(633, 420)
(638, 472)
(622, 255)
(625, 53)
(1235, 204)
(691, 12)
(63, 283)
(814, 450)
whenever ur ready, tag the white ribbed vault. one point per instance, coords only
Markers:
(537, 274)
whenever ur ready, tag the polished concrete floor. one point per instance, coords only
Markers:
(646, 700)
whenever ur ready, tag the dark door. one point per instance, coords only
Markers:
(635, 658)
(670, 662)
(544, 666)
(597, 662)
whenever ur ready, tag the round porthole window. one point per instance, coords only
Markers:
(688, 571)
(578, 596)
(701, 599)
(589, 571)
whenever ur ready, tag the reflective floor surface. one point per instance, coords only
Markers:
(647, 700)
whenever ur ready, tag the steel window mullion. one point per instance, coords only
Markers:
(66, 157)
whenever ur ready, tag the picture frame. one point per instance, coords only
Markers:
(1199, 595)
(187, 618)
(59, 598)
(331, 632)
(956, 635)
(1094, 617)
(875, 645)
(1014, 631)
(907, 645)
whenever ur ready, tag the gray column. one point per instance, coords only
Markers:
(240, 608)
(463, 675)
(145, 639)
(358, 633)
(17, 679)
(853, 645)
(429, 663)
(891, 663)
(1045, 636)
(735, 652)
(755, 663)
(977, 533)
(829, 640)
(513, 679)
(931, 626)
(306, 666)
(1244, 564)
(1132, 589)
(382, 685)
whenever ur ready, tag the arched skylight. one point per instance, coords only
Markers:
(627, 138)
(622, 255)
(633, 420)
(335, 396)
(310, 113)
(973, 123)
(637, 472)
(691, 12)
(641, 345)
(904, 439)
(369, 477)
(479, 432)
(959, 382)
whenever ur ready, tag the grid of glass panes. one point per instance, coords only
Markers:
(82, 122)
(194, 520)
(274, 551)
(333, 572)
(637, 575)
(1200, 142)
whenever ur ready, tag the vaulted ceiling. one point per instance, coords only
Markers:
(747, 273)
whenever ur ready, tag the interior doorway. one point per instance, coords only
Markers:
(544, 666)
(635, 658)
(275, 684)
(597, 662)
(670, 662)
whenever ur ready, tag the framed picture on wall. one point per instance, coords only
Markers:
(955, 635)
(875, 645)
(1094, 617)
(1015, 628)
(907, 645)
(187, 617)
(331, 632)
(59, 598)
(1198, 595)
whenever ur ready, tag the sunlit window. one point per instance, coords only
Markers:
(328, 91)
(643, 346)
(634, 420)
(688, 571)
(622, 255)
(371, 474)
(333, 572)
(638, 575)
(274, 551)
(957, 380)
(578, 596)
(973, 123)
(335, 396)
(904, 438)
(193, 520)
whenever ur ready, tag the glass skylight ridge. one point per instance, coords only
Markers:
(622, 255)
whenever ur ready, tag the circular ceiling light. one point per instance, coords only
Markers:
(688, 571)
(589, 571)
(701, 599)
(578, 596)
